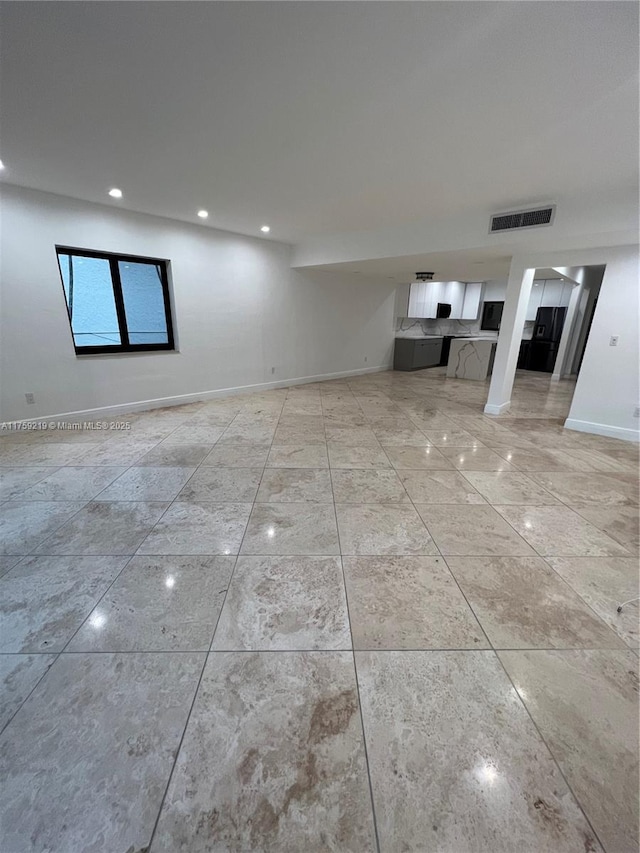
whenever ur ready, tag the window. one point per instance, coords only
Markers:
(116, 303)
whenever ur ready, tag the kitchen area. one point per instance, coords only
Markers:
(455, 324)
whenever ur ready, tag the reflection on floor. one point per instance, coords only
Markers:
(350, 616)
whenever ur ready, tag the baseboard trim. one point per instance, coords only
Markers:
(196, 397)
(603, 429)
(492, 409)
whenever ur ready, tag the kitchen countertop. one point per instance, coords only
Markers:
(419, 337)
(454, 337)
(526, 337)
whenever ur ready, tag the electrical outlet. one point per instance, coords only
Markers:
(30, 398)
(613, 340)
(365, 358)
(273, 370)
(636, 412)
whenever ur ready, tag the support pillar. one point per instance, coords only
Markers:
(509, 338)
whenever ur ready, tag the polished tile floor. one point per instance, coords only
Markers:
(350, 616)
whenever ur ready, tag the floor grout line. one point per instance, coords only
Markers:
(355, 670)
(382, 649)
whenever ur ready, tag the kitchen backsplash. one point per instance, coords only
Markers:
(408, 327)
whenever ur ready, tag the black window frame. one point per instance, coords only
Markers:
(116, 283)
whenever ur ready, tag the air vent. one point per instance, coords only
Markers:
(522, 219)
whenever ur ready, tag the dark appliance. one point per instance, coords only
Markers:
(523, 357)
(491, 316)
(545, 341)
(443, 310)
(549, 323)
(446, 346)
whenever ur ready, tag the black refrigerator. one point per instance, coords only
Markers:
(546, 339)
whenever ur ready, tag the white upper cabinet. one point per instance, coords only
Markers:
(454, 296)
(552, 293)
(535, 300)
(471, 302)
(413, 300)
(464, 299)
(417, 295)
(422, 299)
(435, 293)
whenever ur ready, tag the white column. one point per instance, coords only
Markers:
(560, 367)
(509, 338)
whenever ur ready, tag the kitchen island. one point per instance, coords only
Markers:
(471, 358)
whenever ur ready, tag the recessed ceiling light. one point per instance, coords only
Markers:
(265, 229)
(115, 193)
(203, 214)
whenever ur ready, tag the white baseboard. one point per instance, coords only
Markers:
(603, 429)
(196, 397)
(492, 409)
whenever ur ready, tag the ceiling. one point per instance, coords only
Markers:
(471, 265)
(461, 265)
(320, 117)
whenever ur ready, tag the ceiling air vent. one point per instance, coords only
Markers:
(522, 219)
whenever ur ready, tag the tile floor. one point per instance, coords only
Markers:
(351, 616)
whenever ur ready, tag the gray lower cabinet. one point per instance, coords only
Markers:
(416, 353)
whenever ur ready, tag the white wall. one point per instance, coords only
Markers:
(239, 311)
(607, 390)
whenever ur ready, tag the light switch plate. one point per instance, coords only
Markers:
(613, 340)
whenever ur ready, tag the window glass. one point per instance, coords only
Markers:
(90, 300)
(143, 302)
